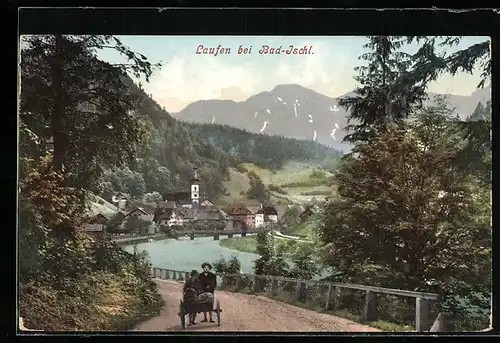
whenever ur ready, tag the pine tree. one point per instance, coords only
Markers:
(386, 91)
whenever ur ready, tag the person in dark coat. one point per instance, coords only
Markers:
(191, 290)
(208, 282)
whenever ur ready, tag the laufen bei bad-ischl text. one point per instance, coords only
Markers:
(264, 50)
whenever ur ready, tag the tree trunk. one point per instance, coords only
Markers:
(58, 105)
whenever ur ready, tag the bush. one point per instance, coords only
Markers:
(241, 168)
(317, 174)
(231, 266)
(277, 189)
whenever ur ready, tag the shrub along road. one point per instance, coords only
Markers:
(243, 312)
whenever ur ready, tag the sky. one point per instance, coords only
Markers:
(186, 76)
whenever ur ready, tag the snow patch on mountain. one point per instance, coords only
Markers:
(264, 126)
(310, 118)
(332, 134)
(314, 137)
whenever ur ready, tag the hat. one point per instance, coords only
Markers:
(194, 272)
(206, 264)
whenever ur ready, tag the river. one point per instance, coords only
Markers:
(185, 254)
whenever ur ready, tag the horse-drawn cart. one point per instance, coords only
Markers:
(196, 307)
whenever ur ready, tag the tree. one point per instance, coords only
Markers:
(429, 64)
(152, 198)
(83, 104)
(478, 113)
(406, 215)
(257, 190)
(136, 225)
(387, 90)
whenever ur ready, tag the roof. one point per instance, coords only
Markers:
(178, 196)
(93, 227)
(204, 213)
(166, 213)
(169, 204)
(254, 208)
(268, 211)
(237, 209)
(140, 209)
(105, 215)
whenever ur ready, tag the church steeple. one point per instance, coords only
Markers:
(195, 187)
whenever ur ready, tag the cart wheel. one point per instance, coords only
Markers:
(182, 314)
(217, 312)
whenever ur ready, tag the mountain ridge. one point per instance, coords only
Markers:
(295, 111)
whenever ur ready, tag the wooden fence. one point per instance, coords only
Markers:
(325, 293)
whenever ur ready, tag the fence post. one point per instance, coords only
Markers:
(239, 279)
(370, 312)
(186, 275)
(256, 285)
(331, 298)
(163, 272)
(421, 314)
(301, 291)
(167, 274)
(274, 286)
(174, 275)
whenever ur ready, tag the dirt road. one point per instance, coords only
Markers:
(243, 312)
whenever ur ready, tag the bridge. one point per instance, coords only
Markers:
(188, 233)
(245, 309)
(216, 234)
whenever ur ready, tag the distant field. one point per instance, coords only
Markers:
(293, 178)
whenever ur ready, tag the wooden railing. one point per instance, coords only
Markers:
(325, 293)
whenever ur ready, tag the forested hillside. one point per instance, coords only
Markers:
(172, 147)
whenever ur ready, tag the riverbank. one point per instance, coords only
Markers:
(139, 239)
(249, 244)
(243, 244)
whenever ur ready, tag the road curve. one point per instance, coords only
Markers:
(243, 312)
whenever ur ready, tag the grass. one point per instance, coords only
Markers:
(293, 173)
(288, 298)
(243, 244)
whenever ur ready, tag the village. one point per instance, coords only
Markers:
(187, 211)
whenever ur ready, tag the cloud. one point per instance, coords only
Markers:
(188, 78)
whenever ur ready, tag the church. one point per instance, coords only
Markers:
(181, 208)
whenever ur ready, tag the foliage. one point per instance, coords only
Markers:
(406, 217)
(257, 190)
(317, 174)
(80, 102)
(429, 65)
(270, 152)
(277, 189)
(68, 280)
(230, 266)
(136, 225)
(387, 91)
(114, 224)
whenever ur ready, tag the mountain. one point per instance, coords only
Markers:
(297, 112)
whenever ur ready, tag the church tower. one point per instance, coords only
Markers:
(195, 188)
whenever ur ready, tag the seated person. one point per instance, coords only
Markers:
(191, 290)
(208, 282)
